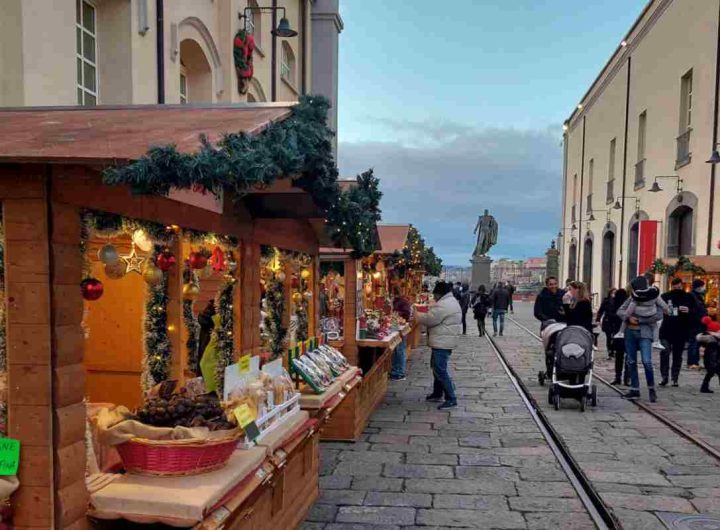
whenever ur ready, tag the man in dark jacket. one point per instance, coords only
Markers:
(511, 290)
(696, 325)
(675, 329)
(549, 304)
(464, 305)
(500, 301)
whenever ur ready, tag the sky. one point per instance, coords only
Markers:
(458, 106)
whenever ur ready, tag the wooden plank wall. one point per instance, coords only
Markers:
(27, 272)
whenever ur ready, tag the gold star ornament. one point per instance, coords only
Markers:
(133, 262)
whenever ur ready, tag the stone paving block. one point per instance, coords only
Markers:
(335, 482)
(477, 440)
(389, 438)
(707, 506)
(482, 473)
(312, 526)
(479, 460)
(346, 526)
(377, 484)
(559, 521)
(542, 474)
(653, 479)
(342, 497)
(648, 503)
(470, 502)
(358, 469)
(434, 460)
(412, 500)
(322, 513)
(380, 457)
(401, 448)
(696, 481)
(461, 486)
(418, 471)
(545, 489)
(638, 520)
(471, 519)
(376, 515)
(545, 504)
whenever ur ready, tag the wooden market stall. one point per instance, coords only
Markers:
(163, 275)
(706, 268)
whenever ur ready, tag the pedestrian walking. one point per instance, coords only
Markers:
(604, 321)
(696, 326)
(549, 303)
(401, 305)
(500, 301)
(511, 290)
(578, 307)
(481, 305)
(464, 305)
(621, 372)
(639, 334)
(711, 342)
(443, 322)
(675, 330)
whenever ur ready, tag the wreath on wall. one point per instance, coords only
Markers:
(243, 47)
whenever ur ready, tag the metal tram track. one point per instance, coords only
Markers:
(674, 426)
(601, 515)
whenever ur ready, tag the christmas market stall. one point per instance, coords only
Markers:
(705, 268)
(159, 321)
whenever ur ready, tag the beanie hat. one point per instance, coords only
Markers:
(697, 283)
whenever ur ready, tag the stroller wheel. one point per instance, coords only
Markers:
(541, 378)
(593, 396)
(550, 396)
(556, 401)
(583, 403)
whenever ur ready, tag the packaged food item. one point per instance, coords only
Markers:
(322, 365)
(309, 374)
(336, 355)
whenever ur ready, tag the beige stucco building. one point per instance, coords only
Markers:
(117, 52)
(651, 112)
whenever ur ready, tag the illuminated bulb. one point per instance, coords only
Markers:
(580, 106)
(171, 327)
(565, 127)
(623, 43)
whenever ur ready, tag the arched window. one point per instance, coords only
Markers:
(588, 262)
(572, 261)
(608, 261)
(196, 72)
(251, 98)
(680, 232)
(287, 63)
(254, 22)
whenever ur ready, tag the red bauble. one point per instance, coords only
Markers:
(218, 260)
(295, 282)
(165, 261)
(92, 289)
(196, 260)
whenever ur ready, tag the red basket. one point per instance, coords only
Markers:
(176, 457)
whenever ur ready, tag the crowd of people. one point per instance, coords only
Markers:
(637, 320)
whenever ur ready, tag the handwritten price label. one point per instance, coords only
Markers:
(9, 456)
(244, 415)
(244, 364)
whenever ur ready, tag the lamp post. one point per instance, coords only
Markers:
(679, 188)
(282, 30)
(619, 206)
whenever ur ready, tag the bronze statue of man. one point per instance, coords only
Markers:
(487, 233)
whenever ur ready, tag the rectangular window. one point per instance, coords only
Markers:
(285, 70)
(591, 179)
(642, 130)
(686, 101)
(86, 53)
(611, 163)
(183, 88)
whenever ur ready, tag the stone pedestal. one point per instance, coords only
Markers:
(480, 272)
(553, 262)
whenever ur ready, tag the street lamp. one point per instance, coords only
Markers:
(656, 187)
(619, 206)
(715, 157)
(283, 29)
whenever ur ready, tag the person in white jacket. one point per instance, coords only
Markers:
(444, 325)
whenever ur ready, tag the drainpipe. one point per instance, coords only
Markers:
(303, 45)
(160, 45)
(273, 75)
(581, 240)
(624, 178)
(713, 167)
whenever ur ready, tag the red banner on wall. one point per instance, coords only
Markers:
(647, 245)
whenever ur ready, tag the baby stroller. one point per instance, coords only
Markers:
(572, 369)
(549, 331)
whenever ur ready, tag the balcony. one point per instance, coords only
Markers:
(683, 150)
(610, 193)
(640, 174)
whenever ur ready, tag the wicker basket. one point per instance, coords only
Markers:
(167, 458)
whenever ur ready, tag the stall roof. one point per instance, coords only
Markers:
(392, 238)
(105, 134)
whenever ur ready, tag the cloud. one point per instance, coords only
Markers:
(441, 176)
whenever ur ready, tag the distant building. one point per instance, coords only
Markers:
(525, 275)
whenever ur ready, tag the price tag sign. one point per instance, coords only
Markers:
(244, 415)
(252, 431)
(244, 364)
(9, 456)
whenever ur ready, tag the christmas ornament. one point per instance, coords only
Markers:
(141, 240)
(280, 276)
(305, 274)
(218, 260)
(295, 283)
(297, 297)
(307, 295)
(190, 291)
(152, 274)
(243, 46)
(197, 260)
(91, 288)
(165, 260)
(115, 271)
(133, 262)
(108, 255)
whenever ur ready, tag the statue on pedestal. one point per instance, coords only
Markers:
(487, 234)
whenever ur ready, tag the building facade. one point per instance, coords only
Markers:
(119, 52)
(636, 185)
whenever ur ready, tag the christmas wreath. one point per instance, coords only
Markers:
(243, 47)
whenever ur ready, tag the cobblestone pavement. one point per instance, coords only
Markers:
(482, 465)
(639, 465)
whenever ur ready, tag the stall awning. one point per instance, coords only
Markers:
(392, 238)
(107, 134)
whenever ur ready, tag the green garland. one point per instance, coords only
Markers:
(301, 310)
(225, 341)
(274, 331)
(415, 256)
(683, 264)
(158, 349)
(300, 146)
(191, 323)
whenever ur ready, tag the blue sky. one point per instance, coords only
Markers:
(458, 106)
